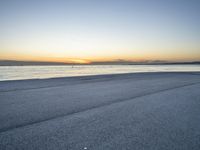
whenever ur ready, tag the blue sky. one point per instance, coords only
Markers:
(100, 29)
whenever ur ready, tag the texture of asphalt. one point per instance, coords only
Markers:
(142, 111)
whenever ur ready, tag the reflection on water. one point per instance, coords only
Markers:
(32, 72)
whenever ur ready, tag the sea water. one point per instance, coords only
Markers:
(40, 72)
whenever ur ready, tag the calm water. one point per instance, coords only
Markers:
(33, 72)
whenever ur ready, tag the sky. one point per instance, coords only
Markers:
(100, 30)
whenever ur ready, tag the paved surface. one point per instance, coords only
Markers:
(147, 111)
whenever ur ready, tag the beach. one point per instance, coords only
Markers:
(150, 111)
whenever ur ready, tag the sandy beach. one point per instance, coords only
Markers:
(140, 111)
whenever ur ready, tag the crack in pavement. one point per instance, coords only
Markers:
(92, 107)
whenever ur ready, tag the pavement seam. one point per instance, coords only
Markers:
(94, 107)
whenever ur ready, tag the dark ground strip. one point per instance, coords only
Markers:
(88, 79)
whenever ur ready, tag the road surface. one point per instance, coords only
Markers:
(141, 111)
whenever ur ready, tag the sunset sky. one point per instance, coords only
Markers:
(100, 30)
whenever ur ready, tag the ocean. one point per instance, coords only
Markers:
(41, 72)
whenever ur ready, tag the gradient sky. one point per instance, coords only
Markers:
(98, 30)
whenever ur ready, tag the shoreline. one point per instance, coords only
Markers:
(44, 72)
(8, 85)
(105, 75)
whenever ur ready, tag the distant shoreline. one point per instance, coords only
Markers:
(34, 63)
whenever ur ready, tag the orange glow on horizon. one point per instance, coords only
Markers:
(87, 59)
